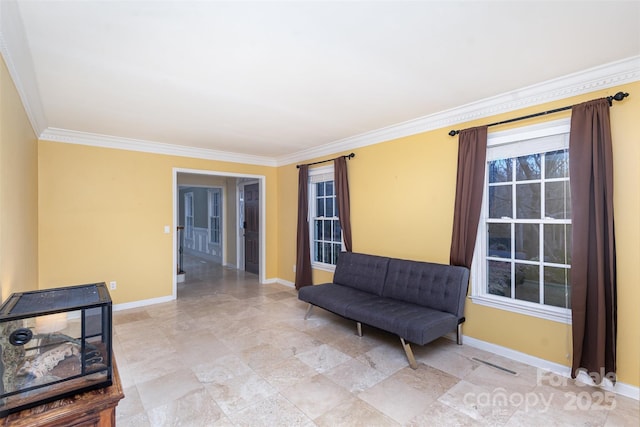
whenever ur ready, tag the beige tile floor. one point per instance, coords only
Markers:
(232, 352)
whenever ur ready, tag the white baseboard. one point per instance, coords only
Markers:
(556, 368)
(286, 283)
(142, 303)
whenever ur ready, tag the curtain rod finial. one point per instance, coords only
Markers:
(617, 97)
(620, 96)
(453, 132)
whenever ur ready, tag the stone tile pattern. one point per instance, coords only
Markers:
(232, 352)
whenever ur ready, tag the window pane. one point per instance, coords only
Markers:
(326, 258)
(528, 167)
(528, 201)
(318, 230)
(327, 229)
(557, 198)
(557, 164)
(499, 278)
(337, 231)
(557, 289)
(557, 243)
(329, 188)
(319, 207)
(318, 252)
(500, 201)
(500, 170)
(499, 240)
(528, 282)
(320, 189)
(336, 252)
(329, 211)
(527, 238)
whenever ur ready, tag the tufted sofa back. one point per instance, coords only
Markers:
(437, 286)
(361, 271)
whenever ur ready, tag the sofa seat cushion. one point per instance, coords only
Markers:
(332, 297)
(412, 322)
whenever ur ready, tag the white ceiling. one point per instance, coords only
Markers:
(274, 78)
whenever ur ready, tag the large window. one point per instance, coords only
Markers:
(522, 261)
(325, 232)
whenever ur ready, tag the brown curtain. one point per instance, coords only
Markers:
(593, 256)
(472, 155)
(342, 197)
(303, 253)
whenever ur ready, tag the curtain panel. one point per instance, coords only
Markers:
(342, 197)
(472, 155)
(593, 256)
(303, 252)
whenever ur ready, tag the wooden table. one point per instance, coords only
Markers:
(95, 408)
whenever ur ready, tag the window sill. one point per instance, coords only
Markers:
(324, 267)
(555, 314)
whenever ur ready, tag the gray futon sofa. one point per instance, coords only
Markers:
(418, 301)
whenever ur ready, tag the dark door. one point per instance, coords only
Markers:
(251, 228)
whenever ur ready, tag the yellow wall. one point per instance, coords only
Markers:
(103, 211)
(74, 214)
(18, 193)
(402, 197)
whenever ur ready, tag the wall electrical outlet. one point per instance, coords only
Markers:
(112, 285)
(294, 268)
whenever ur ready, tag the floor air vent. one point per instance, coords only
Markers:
(495, 366)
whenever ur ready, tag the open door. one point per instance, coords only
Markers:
(252, 228)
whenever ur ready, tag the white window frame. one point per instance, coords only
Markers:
(215, 203)
(556, 137)
(188, 215)
(319, 174)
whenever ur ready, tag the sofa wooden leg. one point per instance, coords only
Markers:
(459, 334)
(306, 316)
(409, 353)
(359, 326)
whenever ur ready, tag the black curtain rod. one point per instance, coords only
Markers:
(346, 156)
(617, 97)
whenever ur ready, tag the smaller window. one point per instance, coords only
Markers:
(325, 231)
(214, 216)
(188, 215)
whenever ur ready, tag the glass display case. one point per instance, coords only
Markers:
(54, 343)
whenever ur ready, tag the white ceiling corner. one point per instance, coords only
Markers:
(15, 51)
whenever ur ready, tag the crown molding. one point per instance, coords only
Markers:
(12, 34)
(583, 82)
(106, 141)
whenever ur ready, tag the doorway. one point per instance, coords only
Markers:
(251, 228)
(241, 199)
